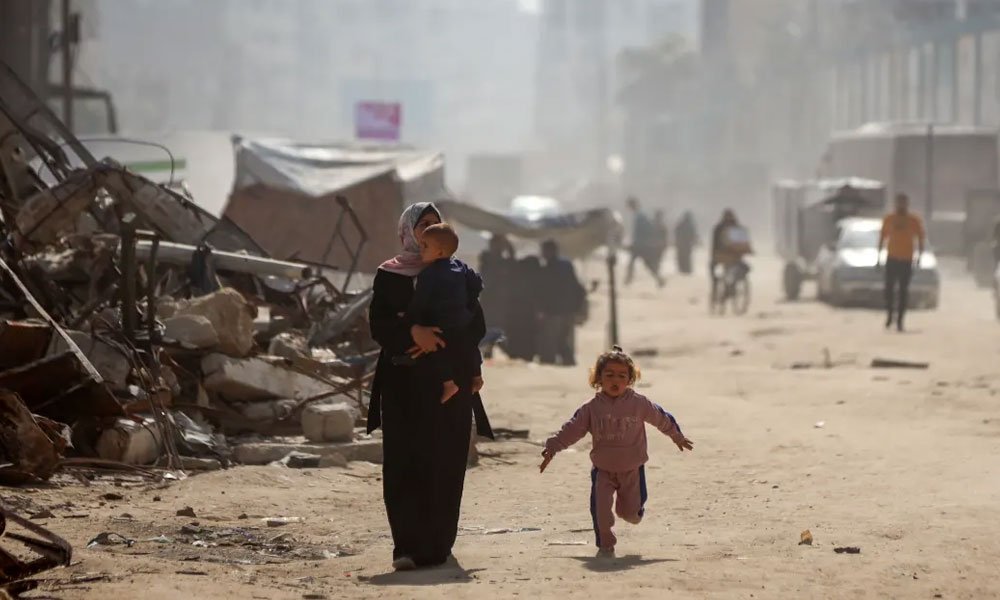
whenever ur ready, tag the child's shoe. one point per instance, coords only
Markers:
(404, 563)
(606, 552)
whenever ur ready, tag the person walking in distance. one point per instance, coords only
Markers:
(644, 245)
(561, 300)
(899, 231)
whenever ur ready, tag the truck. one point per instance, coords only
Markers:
(937, 166)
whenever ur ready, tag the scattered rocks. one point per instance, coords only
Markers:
(229, 314)
(187, 511)
(263, 453)
(191, 331)
(329, 422)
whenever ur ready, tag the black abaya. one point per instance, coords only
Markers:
(425, 442)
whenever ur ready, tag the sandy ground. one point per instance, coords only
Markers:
(905, 466)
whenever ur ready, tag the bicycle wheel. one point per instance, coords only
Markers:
(741, 296)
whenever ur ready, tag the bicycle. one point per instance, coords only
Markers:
(732, 286)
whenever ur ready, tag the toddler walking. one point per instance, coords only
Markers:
(616, 420)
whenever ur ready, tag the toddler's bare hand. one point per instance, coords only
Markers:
(477, 384)
(547, 454)
(684, 444)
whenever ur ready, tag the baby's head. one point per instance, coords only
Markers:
(438, 241)
(614, 372)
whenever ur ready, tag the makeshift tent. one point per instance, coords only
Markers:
(284, 196)
(577, 233)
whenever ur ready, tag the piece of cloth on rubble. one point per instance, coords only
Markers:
(201, 272)
(408, 262)
(618, 428)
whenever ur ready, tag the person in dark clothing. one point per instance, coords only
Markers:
(496, 266)
(523, 315)
(562, 299)
(685, 239)
(644, 245)
(442, 298)
(425, 442)
(719, 246)
(996, 244)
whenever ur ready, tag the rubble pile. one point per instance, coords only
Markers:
(137, 328)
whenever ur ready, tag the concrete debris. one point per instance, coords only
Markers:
(329, 422)
(272, 410)
(131, 442)
(255, 379)
(289, 345)
(230, 315)
(194, 332)
(134, 315)
(112, 363)
(264, 453)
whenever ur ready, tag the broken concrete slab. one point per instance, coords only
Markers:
(271, 410)
(263, 453)
(231, 316)
(256, 379)
(289, 345)
(194, 332)
(131, 442)
(113, 366)
(329, 422)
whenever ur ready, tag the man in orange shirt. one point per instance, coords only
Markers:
(899, 230)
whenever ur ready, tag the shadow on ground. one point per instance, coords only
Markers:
(450, 572)
(602, 564)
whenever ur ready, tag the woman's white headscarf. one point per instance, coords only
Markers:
(408, 262)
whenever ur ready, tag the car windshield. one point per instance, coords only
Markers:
(859, 238)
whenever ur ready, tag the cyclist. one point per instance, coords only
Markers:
(730, 243)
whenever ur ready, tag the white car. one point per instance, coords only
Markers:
(847, 272)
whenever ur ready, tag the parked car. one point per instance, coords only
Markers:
(847, 272)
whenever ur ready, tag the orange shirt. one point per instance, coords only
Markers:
(899, 231)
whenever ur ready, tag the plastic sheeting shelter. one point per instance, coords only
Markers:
(284, 196)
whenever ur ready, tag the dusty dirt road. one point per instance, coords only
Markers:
(906, 466)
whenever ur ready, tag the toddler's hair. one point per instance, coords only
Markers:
(616, 355)
(444, 236)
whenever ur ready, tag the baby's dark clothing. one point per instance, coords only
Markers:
(444, 296)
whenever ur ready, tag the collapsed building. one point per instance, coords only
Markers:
(135, 327)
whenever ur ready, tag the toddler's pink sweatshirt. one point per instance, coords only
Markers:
(618, 428)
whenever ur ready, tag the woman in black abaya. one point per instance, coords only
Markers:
(425, 442)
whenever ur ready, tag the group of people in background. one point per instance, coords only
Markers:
(536, 302)
(651, 238)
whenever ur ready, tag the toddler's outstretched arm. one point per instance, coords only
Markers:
(667, 424)
(572, 432)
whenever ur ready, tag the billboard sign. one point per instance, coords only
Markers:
(378, 120)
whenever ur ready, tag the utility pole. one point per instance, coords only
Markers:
(612, 245)
(70, 36)
(929, 176)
